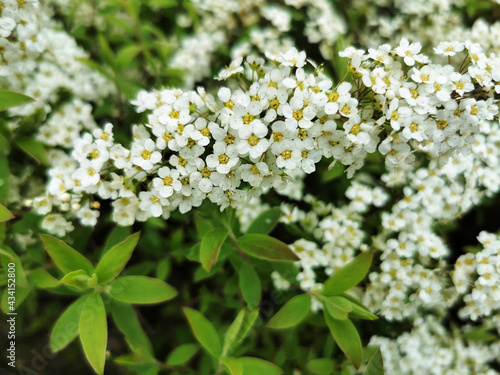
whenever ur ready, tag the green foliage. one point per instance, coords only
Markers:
(347, 338)
(292, 313)
(204, 331)
(9, 99)
(349, 275)
(5, 214)
(265, 222)
(375, 365)
(321, 366)
(65, 257)
(93, 330)
(210, 247)
(250, 285)
(113, 262)
(182, 354)
(140, 290)
(265, 247)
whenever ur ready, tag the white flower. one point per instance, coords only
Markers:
(167, 181)
(254, 174)
(234, 68)
(152, 202)
(144, 154)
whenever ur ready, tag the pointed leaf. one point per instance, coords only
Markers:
(249, 285)
(257, 366)
(113, 262)
(5, 214)
(321, 366)
(94, 331)
(349, 275)
(33, 148)
(233, 331)
(39, 278)
(347, 338)
(204, 331)
(127, 322)
(10, 99)
(265, 222)
(234, 366)
(182, 354)
(338, 307)
(66, 328)
(210, 247)
(64, 256)
(266, 247)
(141, 290)
(292, 313)
(375, 365)
(78, 279)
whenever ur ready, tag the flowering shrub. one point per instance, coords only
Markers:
(311, 208)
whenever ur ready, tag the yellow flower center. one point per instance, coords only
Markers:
(229, 139)
(287, 154)
(247, 119)
(223, 159)
(274, 103)
(168, 181)
(277, 136)
(253, 140)
(297, 115)
(356, 129)
(205, 172)
(333, 97)
(442, 124)
(146, 155)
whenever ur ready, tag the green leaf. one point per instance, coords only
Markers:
(266, 247)
(338, 307)
(204, 331)
(349, 275)
(65, 257)
(375, 365)
(479, 334)
(106, 52)
(39, 278)
(113, 262)
(234, 366)
(10, 99)
(333, 172)
(5, 214)
(233, 331)
(358, 310)
(210, 247)
(126, 56)
(117, 235)
(257, 366)
(347, 338)
(182, 354)
(141, 290)
(66, 328)
(93, 330)
(79, 279)
(265, 222)
(292, 313)
(126, 320)
(321, 366)
(249, 285)
(33, 148)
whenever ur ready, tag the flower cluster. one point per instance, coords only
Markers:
(430, 349)
(478, 276)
